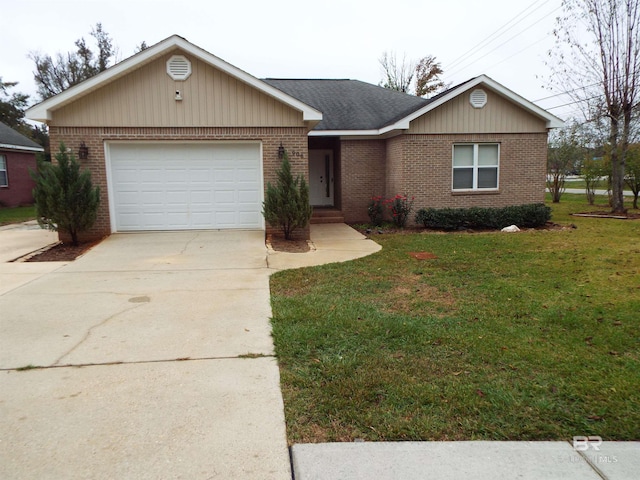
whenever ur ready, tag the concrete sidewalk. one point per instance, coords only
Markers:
(465, 460)
(333, 242)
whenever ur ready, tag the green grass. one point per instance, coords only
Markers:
(16, 214)
(528, 336)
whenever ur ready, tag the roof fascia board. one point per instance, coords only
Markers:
(20, 147)
(42, 111)
(551, 120)
(344, 133)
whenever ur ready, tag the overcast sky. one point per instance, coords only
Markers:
(505, 39)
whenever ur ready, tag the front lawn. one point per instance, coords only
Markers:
(16, 214)
(527, 336)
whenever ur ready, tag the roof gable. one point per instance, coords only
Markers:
(551, 121)
(43, 111)
(11, 139)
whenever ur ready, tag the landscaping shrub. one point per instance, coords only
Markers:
(400, 207)
(528, 216)
(286, 204)
(66, 200)
(375, 211)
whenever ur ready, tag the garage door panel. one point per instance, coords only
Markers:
(185, 186)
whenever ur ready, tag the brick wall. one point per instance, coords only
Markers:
(20, 184)
(421, 166)
(362, 173)
(427, 170)
(292, 138)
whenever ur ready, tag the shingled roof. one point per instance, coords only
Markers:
(9, 138)
(350, 104)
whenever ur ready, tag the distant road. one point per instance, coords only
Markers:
(598, 192)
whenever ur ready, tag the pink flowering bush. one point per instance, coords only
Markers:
(400, 207)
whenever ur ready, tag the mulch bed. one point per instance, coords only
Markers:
(62, 252)
(279, 244)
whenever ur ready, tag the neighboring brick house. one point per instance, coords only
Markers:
(17, 159)
(179, 139)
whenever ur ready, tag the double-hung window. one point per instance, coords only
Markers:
(475, 166)
(4, 178)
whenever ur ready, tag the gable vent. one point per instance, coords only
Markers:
(179, 67)
(478, 98)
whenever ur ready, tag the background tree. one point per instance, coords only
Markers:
(564, 152)
(632, 178)
(428, 80)
(12, 108)
(65, 198)
(597, 62)
(139, 48)
(53, 76)
(400, 75)
(286, 204)
(12, 105)
(397, 76)
(592, 170)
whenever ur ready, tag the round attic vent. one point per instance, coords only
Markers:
(179, 67)
(478, 98)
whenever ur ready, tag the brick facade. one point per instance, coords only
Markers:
(362, 175)
(20, 184)
(294, 139)
(421, 166)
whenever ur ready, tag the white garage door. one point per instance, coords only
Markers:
(183, 186)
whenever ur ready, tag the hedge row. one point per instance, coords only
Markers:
(528, 216)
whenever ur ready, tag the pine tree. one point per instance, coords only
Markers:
(65, 198)
(287, 204)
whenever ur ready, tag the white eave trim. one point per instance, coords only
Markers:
(551, 120)
(42, 111)
(357, 133)
(20, 147)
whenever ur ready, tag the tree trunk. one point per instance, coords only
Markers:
(617, 168)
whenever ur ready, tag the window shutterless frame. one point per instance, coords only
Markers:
(475, 166)
(4, 176)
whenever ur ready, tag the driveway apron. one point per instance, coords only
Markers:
(158, 363)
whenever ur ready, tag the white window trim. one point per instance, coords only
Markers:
(4, 168)
(475, 167)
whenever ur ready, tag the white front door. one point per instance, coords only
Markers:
(321, 178)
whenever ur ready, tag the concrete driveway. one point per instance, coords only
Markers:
(158, 363)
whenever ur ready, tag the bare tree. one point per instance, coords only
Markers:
(397, 76)
(400, 76)
(597, 62)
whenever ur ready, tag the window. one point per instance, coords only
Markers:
(475, 166)
(4, 180)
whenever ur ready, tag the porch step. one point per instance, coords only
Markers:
(326, 215)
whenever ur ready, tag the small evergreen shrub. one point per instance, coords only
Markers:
(65, 198)
(527, 216)
(286, 204)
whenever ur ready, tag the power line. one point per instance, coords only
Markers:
(506, 41)
(497, 33)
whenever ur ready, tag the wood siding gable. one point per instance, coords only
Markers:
(499, 115)
(146, 97)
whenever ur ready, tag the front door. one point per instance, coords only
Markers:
(321, 178)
